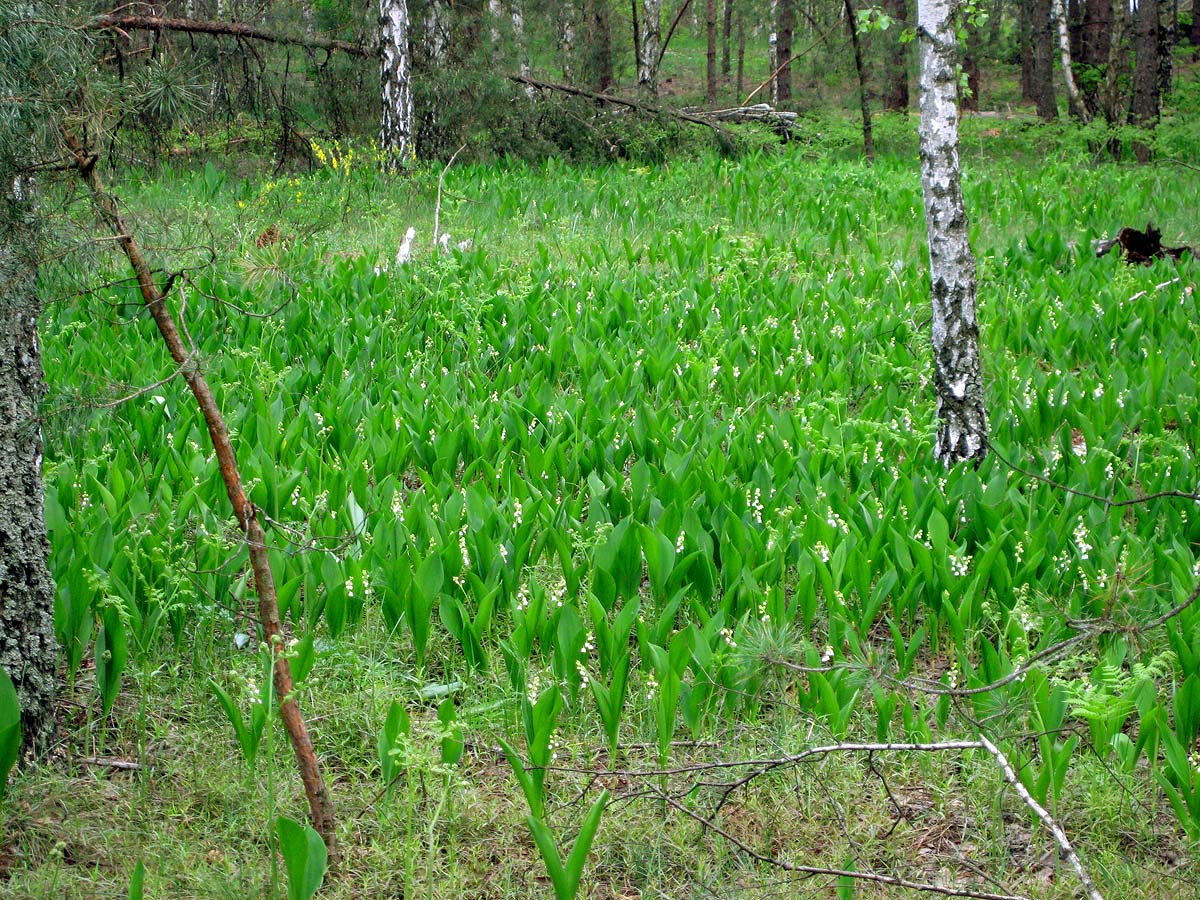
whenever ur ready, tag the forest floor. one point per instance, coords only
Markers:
(702, 387)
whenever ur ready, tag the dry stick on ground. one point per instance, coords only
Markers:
(787, 62)
(983, 743)
(834, 873)
(662, 51)
(319, 802)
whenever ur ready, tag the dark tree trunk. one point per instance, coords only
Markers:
(1025, 9)
(1144, 111)
(599, 49)
(895, 94)
(710, 27)
(1042, 58)
(1195, 30)
(28, 651)
(1095, 41)
(969, 99)
(783, 50)
(726, 34)
(863, 97)
(1166, 45)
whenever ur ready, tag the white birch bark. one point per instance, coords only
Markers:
(962, 419)
(773, 52)
(650, 45)
(395, 63)
(1064, 53)
(437, 33)
(495, 14)
(566, 39)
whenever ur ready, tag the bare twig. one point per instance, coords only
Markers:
(1060, 836)
(238, 30)
(437, 210)
(875, 877)
(319, 800)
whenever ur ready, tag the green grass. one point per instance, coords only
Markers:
(718, 364)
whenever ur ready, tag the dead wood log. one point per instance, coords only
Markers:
(222, 29)
(1141, 247)
(783, 122)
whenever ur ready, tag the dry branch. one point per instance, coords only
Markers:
(319, 801)
(627, 102)
(222, 29)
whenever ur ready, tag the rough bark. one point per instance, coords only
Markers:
(783, 51)
(969, 99)
(895, 94)
(395, 64)
(649, 45)
(227, 29)
(710, 27)
(1042, 59)
(863, 97)
(726, 36)
(1166, 44)
(1144, 110)
(1095, 40)
(599, 35)
(320, 803)
(28, 651)
(962, 420)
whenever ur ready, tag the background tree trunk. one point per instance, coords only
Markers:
(741, 55)
(1144, 110)
(1166, 45)
(864, 99)
(1094, 44)
(650, 45)
(710, 27)
(566, 39)
(969, 99)
(783, 50)
(895, 94)
(962, 420)
(395, 58)
(599, 49)
(1042, 59)
(726, 35)
(28, 651)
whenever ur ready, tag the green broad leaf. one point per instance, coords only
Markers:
(939, 532)
(395, 727)
(304, 857)
(136, 881)
(452, 740)
(112, 653)
(551, 858)
(10, 728)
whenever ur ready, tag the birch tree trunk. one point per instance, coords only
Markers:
(962, 421)
(649, 45)
(395, 63)
(566, 39)
(1077, 107)
(28, 650)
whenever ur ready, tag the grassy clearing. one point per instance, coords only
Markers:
(701, 388)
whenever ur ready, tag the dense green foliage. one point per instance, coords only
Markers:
(660, 430)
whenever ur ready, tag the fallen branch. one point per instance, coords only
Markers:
(319, 801)
(238, 30)
(627, 102)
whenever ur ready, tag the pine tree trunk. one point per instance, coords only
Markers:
(783, 51)
(1042, 72)
(895, 95)
(28, 651)
(650, 45)
(962, 420)
(860, 71)
(710, 26)
(741, 55)
(1166, 45)
(600, 61)
(1144, 111)
(726, 35)
(395, 63)
(1095, 40)
(969, 99)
